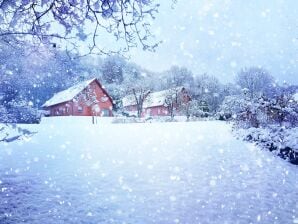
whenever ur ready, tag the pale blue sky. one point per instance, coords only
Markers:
(221, 37)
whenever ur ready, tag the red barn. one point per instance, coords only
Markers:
(157, 103)
(87, 98)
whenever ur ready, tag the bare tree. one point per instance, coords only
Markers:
(140, 96)
(208, 89)
(176, 100)
(171, 101)
(53, 21)
(139, 93)
(256, 81)
(179, 76)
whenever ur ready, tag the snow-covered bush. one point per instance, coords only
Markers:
(282, 110)
(242, 110)
(271, 123)
(231, 107)
(280, 140)
(5, 117)
(27, 114)
(198, 108)
(19, 112)
(260, 112)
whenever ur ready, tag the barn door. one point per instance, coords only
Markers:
(95, 110)
(105, 113)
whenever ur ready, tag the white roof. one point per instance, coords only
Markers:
(68, 94)
(129, 100)
(295, 97)
(153, 99)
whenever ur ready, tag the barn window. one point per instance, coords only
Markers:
(80, 109)
(61, 110)
(104, 99)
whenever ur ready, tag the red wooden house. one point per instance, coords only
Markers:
(157, 103)
(87, 98)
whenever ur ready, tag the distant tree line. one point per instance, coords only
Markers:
(261, 101)
(30, 76)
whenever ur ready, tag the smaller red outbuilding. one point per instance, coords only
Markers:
(87, 98)
(158, 103)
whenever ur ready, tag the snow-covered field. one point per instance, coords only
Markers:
(180, 172)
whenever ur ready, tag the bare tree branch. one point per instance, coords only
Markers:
(48, 21)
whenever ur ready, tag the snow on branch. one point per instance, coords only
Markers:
(70, 21)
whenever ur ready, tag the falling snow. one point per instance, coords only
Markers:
(215, 159)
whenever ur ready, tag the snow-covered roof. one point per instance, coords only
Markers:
(295, 97)
(68, 94)
(128, 100)
(153, 99)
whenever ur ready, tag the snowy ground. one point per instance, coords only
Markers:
(180, 172)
